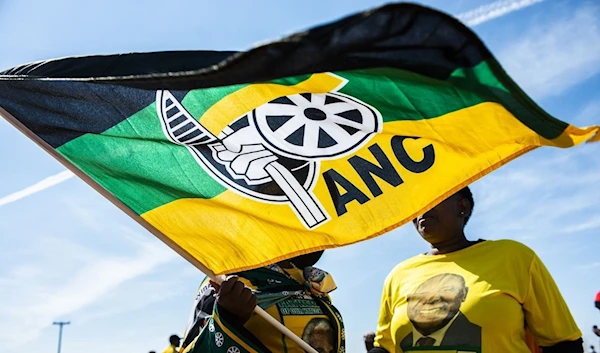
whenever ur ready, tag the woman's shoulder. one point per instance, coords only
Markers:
(511, 250)
(510, 245)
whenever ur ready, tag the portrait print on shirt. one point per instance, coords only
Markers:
(319, 334)
(434, 311)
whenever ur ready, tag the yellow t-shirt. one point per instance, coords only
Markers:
(170, 349)
(478, 299)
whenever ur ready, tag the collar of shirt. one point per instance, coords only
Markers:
(438, 335)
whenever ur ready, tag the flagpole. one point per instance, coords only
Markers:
(168, 241)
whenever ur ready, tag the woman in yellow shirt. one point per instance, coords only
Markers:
(471, 296)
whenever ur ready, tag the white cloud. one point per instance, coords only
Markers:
(584, 226)
(494, 10)
(590, 266)
(544, 195)
(550, 58)
(590, 114)
(37, 187)
(37, 301)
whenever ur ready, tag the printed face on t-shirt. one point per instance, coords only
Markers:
(318, 333)
(435, 302)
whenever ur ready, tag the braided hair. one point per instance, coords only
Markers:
(467, 194)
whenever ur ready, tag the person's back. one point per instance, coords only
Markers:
(294, 297)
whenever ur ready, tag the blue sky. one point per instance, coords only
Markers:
(68, 254)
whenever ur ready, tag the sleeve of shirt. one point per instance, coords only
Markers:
(547, 315)
(383, 335)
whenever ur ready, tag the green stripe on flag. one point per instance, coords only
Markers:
(135, 161)
(404, 95)
(197, 102)
(486, 75)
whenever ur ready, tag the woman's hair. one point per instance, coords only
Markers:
(306, 260)
(466, 193)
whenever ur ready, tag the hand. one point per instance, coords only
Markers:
(236, 299)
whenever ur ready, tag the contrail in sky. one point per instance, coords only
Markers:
(37, 187)
(494, 10)
(470, 18)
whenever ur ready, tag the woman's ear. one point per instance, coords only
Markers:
(464, 207)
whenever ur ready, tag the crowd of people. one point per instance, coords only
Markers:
(460, 295)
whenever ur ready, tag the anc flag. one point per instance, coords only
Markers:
(324, 138)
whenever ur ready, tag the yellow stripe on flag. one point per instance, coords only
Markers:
(467, 144)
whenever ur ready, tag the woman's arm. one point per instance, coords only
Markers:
(547, 315)
(383, 336)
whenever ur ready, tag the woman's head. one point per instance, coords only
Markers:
(446, 221)
(306, 260)
(302, 261)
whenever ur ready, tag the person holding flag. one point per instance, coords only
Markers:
(292, 291)
(471, 296)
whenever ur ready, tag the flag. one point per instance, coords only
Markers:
(324, 138)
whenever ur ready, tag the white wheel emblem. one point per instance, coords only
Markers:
(233, 349)
(309, 126)
(219, 339)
